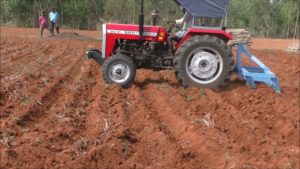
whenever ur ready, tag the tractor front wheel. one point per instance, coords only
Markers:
(119, 69)
(204, 61)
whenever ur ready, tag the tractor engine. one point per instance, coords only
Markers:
(152, 55)
(150, 51)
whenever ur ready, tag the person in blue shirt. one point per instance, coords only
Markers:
(53, 16)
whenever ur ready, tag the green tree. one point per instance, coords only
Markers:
(264, 18)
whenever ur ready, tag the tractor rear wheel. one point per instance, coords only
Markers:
(204, 61)
(119, 69)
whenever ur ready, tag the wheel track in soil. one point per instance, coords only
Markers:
(101, 108)
(237, 121)
(149, 108)
(90, 126)
(36, 54)
(33, 112)
(43, 50)
(231, 108)
(106, 109)
(122, 108)
(82, 97)
(5, 43)
(229, 137)
(246, 116)
(247, 126)
(155, 117)
(75, 94)
(25, 48)
(26, 75)
(114, 104)
(72, 104)
(181, 131)
(23, 77)
(142, 120)
(42, 67)
(156, 127)
(17, 48)
(50, 94)
(48, 120)
(18, 57)
(112, 107)
(97, 105)
(35, 51)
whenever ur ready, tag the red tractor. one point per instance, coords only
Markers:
(202, 57)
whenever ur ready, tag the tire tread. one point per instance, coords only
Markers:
(227, 59)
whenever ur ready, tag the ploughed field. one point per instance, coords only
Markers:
(56, 112)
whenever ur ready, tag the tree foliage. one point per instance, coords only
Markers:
(267, 18)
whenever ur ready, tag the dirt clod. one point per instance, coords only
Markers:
(128, 135)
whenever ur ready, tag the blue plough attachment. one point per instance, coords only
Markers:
(252, 74)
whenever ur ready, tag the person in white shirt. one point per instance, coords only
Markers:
(185, 22)
(53, 16)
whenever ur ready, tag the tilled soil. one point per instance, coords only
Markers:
(56, 112)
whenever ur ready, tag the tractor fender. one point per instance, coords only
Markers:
(95, 54)
(202, 31)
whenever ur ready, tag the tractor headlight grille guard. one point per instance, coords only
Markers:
(104, 32)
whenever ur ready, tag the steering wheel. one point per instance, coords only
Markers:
(172, 25)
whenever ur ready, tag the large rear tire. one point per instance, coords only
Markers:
(119, 69)
(204, 61)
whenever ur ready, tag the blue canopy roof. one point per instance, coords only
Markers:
(205, 8)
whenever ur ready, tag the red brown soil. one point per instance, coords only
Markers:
(56, 112)
(274, 44)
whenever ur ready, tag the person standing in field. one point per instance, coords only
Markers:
(53, 16)
(43, 22)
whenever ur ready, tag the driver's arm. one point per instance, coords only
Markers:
(179, 21)
(184, 19)
(187, 16)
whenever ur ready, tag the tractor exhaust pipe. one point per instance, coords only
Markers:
(141, 21)
(155, 15)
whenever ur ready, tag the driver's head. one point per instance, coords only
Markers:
(183, 10)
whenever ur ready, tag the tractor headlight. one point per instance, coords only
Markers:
(161, 36)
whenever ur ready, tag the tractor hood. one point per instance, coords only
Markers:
(205, 8)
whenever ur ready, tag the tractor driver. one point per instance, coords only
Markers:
(185, 22)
